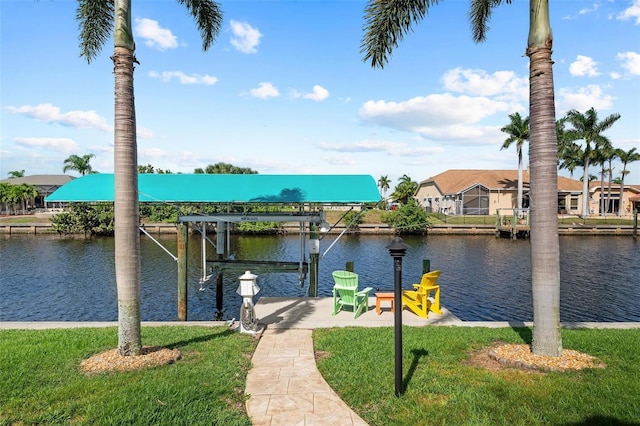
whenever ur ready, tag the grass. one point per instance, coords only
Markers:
(41, 381)
(442, 388)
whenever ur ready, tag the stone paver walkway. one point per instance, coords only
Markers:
(286, 388)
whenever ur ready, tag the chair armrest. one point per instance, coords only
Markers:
(416, 286)
(364, 292)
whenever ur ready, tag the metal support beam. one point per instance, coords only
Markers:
(183, 233)
(314, 258)
(315, 217)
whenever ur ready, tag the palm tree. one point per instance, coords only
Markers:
(587, 127)
(609, 154)
(405, 190)
(386, 24)
(79, 164)
(518, 131)
(26, 193)
(625, 157)
(383, 184)
(599, 158)
(16, 174)
(97, 20)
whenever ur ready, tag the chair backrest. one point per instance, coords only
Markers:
(430, 278)
(345, 279)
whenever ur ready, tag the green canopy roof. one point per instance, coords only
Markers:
(223, 188)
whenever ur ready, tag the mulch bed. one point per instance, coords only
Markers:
(519, 356)
(112, 360)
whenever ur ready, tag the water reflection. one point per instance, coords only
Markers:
(51, 278)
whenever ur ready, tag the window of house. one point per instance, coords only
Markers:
(574, 203)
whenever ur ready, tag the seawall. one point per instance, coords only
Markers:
(366, 229)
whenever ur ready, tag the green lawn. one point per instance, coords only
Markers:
(441, 388)
(41, 381)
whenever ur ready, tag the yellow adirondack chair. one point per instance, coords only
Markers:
(419, 300)
(345, 293)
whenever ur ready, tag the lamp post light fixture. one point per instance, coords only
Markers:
(397, 249)
(247, 289)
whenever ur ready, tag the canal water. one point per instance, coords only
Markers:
(53, 278)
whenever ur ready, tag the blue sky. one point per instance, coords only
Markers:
(284, 89)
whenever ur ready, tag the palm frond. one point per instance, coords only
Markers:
(208, 17)
(480, 15)
(95, 21)
(386, 23)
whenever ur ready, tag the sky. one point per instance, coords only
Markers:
(285, 90)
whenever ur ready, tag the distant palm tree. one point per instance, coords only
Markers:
(600, 157)
(386, 24)
(587, 127)
(609, 155)
(16, 174)
(97, 21)
(518, 131)
(405, 190)
(626, 157)
(383, 184)
(79, 164)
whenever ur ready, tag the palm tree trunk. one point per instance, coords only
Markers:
(545, 245)
(585, 188)
(520, 184)
(620, 197)
(603, 212)
(126, 221)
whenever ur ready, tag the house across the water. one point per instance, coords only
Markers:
(483, 192)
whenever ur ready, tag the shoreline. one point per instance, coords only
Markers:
(39, 228)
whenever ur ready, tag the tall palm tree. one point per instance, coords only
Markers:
(625, 157)
(79, 164)
(97, 20)
(587, 127)
(609, 154)
(518, 131)
(383, 184)
(386, 24)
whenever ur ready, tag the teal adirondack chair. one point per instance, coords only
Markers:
(345, 293)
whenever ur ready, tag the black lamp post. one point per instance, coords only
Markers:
(397, 250)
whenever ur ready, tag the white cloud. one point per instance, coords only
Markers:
(433, 110)
(145, 133)
(396, 149)
(65, 145)
(266, 90)
(152, 153)
(594, 7)
(630, 61)
(155, 36)
(583, 66)
(583, 99)
(339, 161)
(463, 134)
(504, 84)
(52, 114)
(183, 78)
(632, 12)
(245, 38)
(319, 94)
